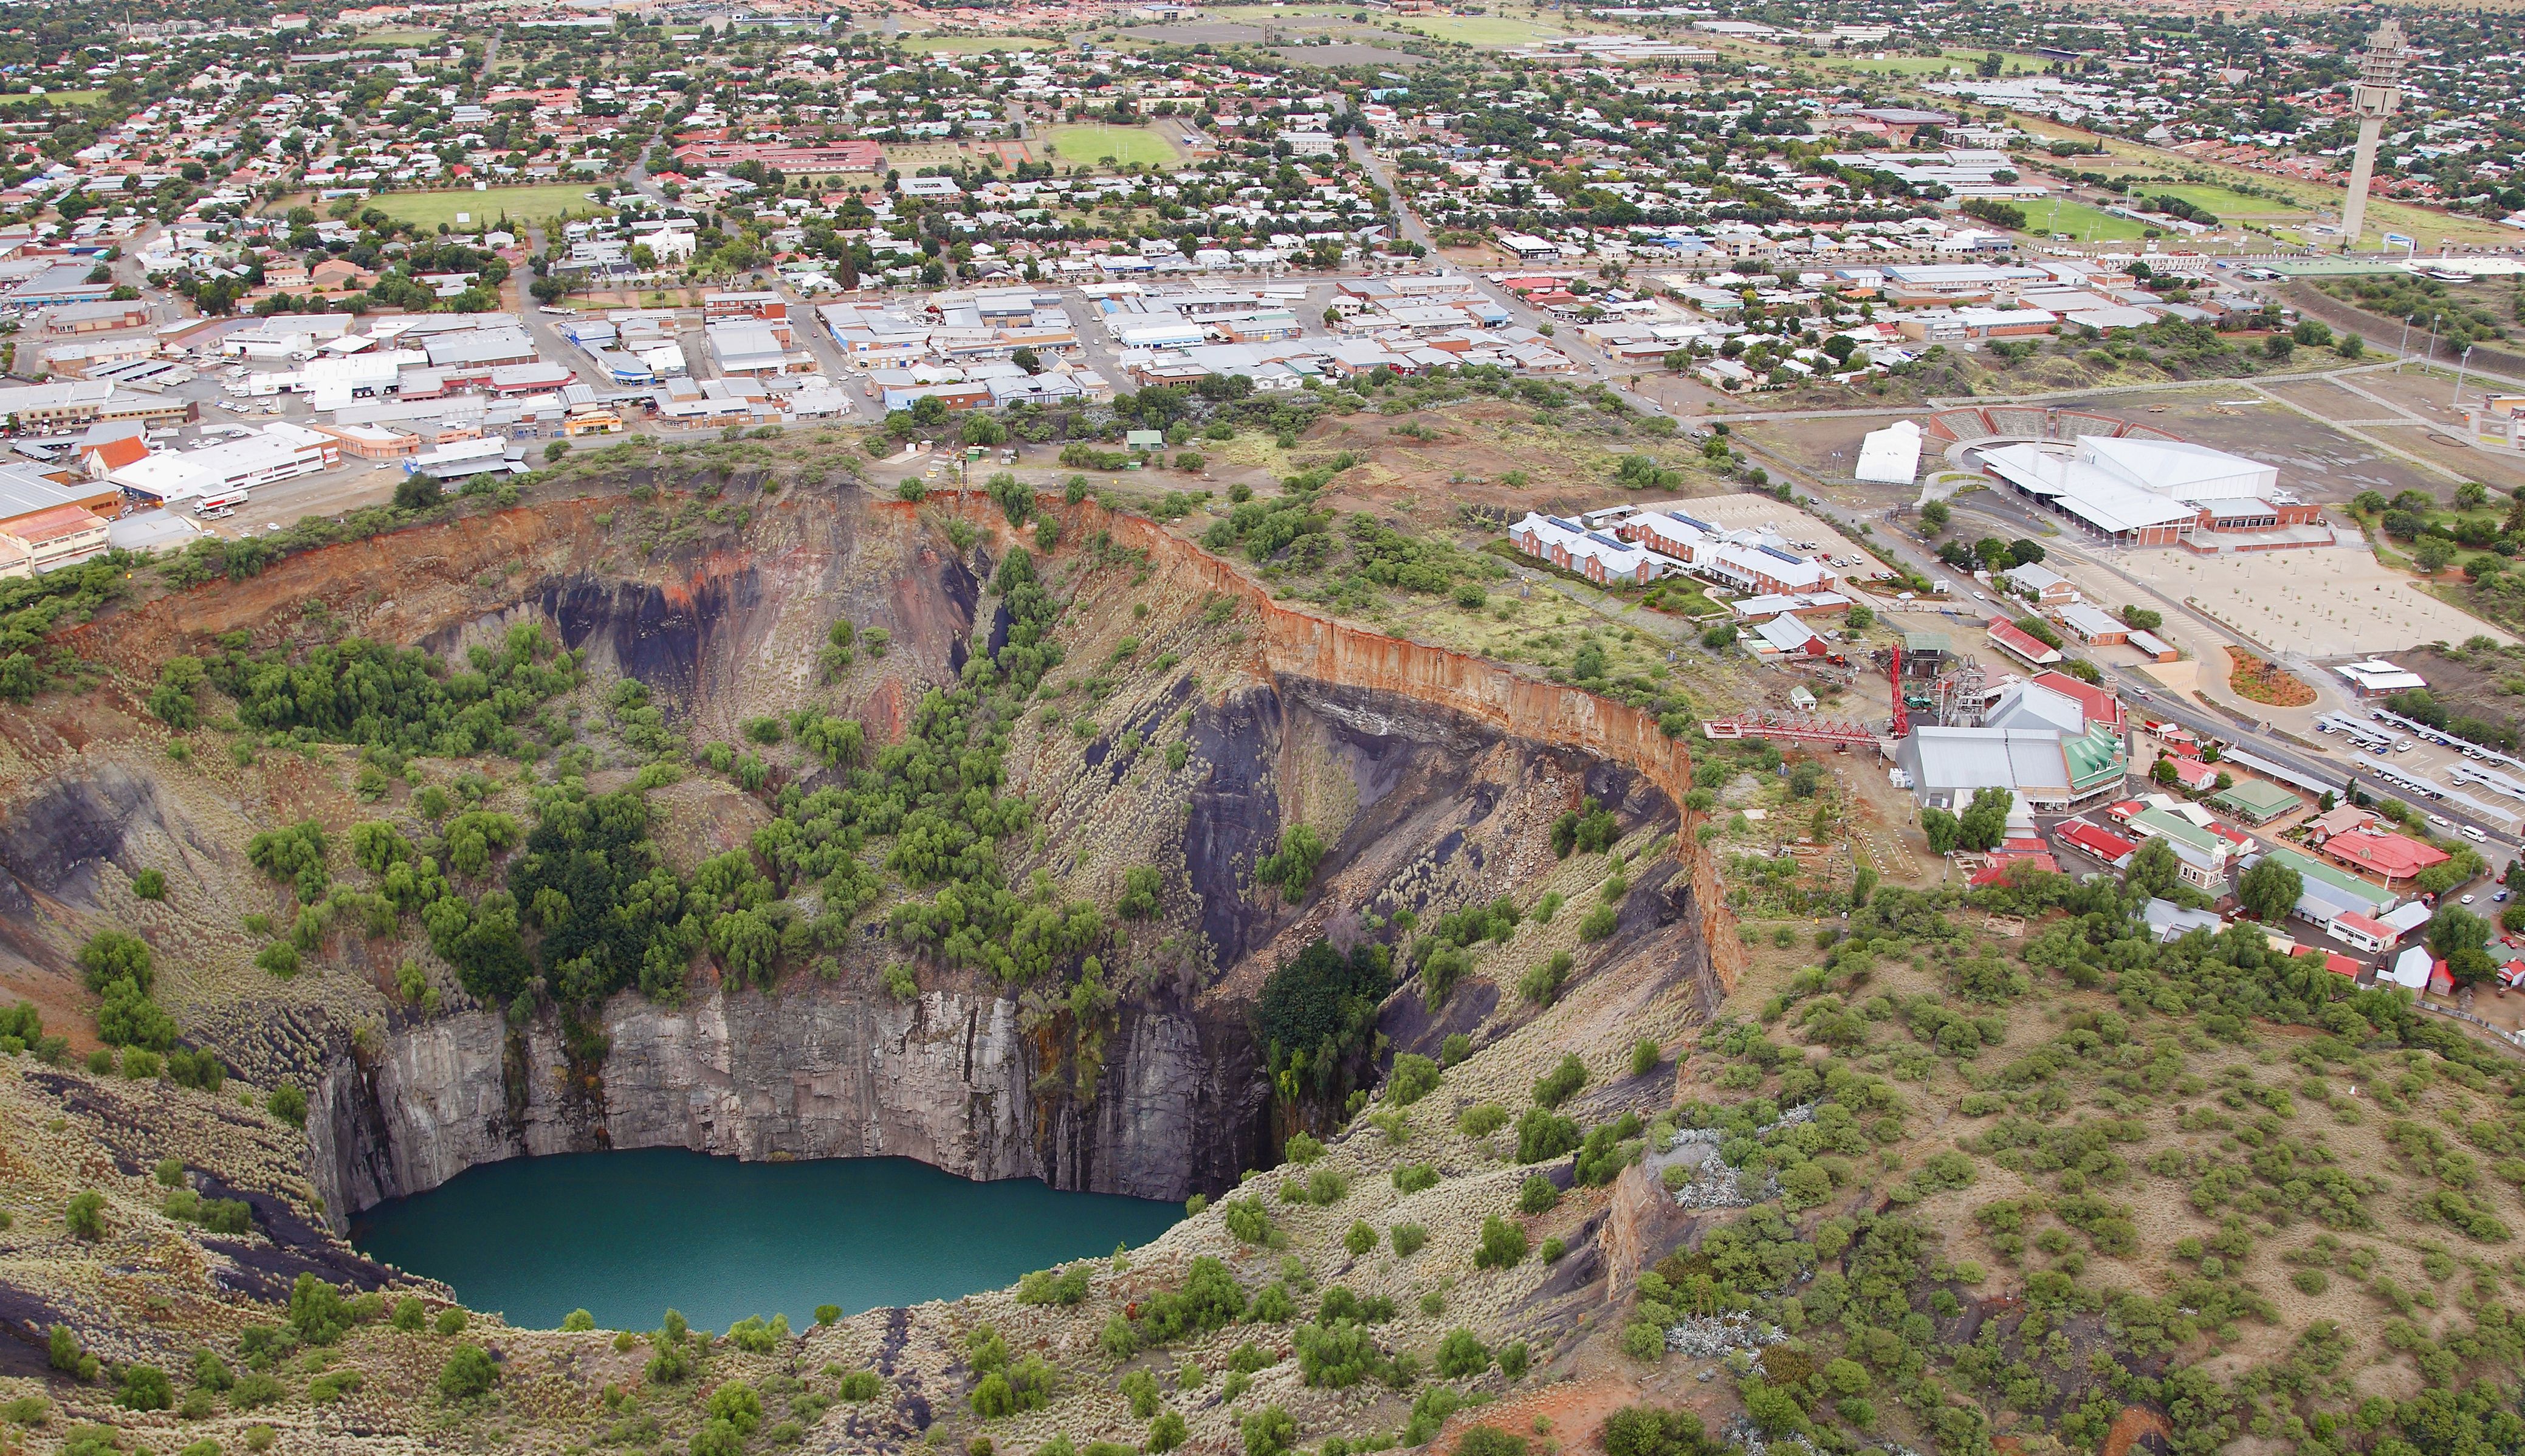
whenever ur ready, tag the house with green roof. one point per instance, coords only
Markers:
(2200, 857)
(2254, 801)
(2331, 884)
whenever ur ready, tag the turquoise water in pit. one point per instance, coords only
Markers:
(627, 1236)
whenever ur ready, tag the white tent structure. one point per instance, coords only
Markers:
(1891, 456)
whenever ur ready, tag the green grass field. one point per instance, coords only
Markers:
(394, 36)
(429, 209)
(66, 98)
(1483, 31)
(2226, 204)
(978, 45)
(1124, 144)
(2083, 223)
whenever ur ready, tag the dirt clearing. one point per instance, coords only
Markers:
(2337, 602)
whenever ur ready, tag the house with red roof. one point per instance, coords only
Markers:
(2232, 834)
(2382, 855)
(2193, 773)
(2009, 867)
(2019, 643)
(2098, 705)
(108, 455)
(2364, 932)
(2333, 960)
(2106, 845)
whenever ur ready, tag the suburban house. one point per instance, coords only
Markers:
(2022, 644)
(2202, 857)
(2382, 855)
(2040, 585)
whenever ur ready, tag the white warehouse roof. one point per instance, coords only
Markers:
(1892, 455)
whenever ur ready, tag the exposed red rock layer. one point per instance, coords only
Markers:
(1300, 644)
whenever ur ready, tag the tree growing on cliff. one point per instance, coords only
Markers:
(1317, 1013)
(1588, 829)
(1291, 865)
(177, 699)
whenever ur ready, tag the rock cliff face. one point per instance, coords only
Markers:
(1430, 775)
(818, 1072)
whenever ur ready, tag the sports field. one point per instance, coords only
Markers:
(1483, 31)
(2083, 223)
(1087, 143)
(63, 98)
(518, 204)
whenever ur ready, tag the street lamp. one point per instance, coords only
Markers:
(2461, 364)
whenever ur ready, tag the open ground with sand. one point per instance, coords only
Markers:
(2325, 603)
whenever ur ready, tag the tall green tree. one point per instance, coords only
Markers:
(2269, 890)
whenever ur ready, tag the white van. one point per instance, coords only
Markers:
(2473, 835)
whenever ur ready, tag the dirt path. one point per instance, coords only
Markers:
(1570, 1411)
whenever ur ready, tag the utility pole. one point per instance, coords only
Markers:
(2461, 363)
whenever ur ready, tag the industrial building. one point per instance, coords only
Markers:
(2152, 492)
(2057, 751)
(278, 452)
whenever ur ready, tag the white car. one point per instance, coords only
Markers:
(2467, 899)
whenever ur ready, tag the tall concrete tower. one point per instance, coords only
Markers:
(2377, 95)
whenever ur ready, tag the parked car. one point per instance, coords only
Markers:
(2467, 899)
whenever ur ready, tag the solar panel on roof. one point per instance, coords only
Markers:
(1782, 555)
(1695, 524)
